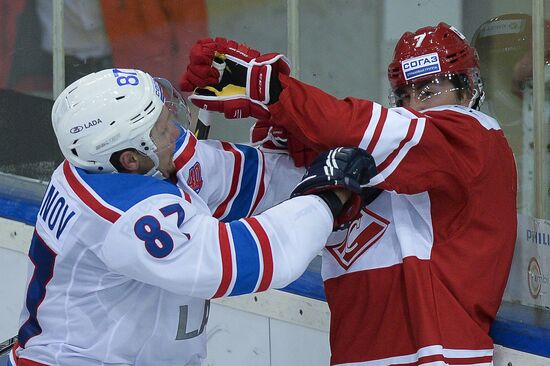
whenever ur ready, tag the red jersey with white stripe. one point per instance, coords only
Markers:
(123, 265)
(419, 277)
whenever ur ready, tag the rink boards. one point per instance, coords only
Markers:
(277, 327)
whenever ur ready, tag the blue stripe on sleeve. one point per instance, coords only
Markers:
(243, 202)
(181, 137)
(247, 259)
(123, 190)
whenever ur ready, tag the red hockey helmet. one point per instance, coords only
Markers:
(432, 52)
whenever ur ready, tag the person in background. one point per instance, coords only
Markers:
(151, 35)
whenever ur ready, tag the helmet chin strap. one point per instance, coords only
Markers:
(157, 174)
(154, 172)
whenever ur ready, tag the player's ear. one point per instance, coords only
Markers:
(129, 161)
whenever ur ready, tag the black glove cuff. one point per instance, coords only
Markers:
(333, 202)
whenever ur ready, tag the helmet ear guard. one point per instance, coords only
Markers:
(432, 52)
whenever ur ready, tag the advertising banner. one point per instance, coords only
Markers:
(529, 281)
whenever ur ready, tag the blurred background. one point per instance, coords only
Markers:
(341, 46)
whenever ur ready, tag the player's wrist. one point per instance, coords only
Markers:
(333, 201)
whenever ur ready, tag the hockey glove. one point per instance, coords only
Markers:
(270, 138)
(202, 70)
(346, 168)
(247, 82)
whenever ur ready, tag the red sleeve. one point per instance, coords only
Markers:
(443, 149)
(313, 115)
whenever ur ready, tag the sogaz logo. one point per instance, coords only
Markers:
(420, 66)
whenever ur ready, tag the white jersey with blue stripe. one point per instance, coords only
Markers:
(235, 180)
(123, 266)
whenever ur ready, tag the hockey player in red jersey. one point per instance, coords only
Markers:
(123, 265)
(419, 277)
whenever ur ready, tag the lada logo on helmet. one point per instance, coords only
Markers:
(92, 123)
(76, 129)
(86, 125)
(421, 66)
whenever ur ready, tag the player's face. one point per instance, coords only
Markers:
(164, 134)
(433, 93)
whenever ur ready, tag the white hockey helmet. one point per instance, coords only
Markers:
(109, 111)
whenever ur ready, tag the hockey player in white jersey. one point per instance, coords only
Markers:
(418, 279)
(123, 265)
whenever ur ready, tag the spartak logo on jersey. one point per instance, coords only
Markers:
(195, 177)
(362, 234)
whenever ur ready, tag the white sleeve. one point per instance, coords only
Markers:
(235, 180)
(165, 242)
